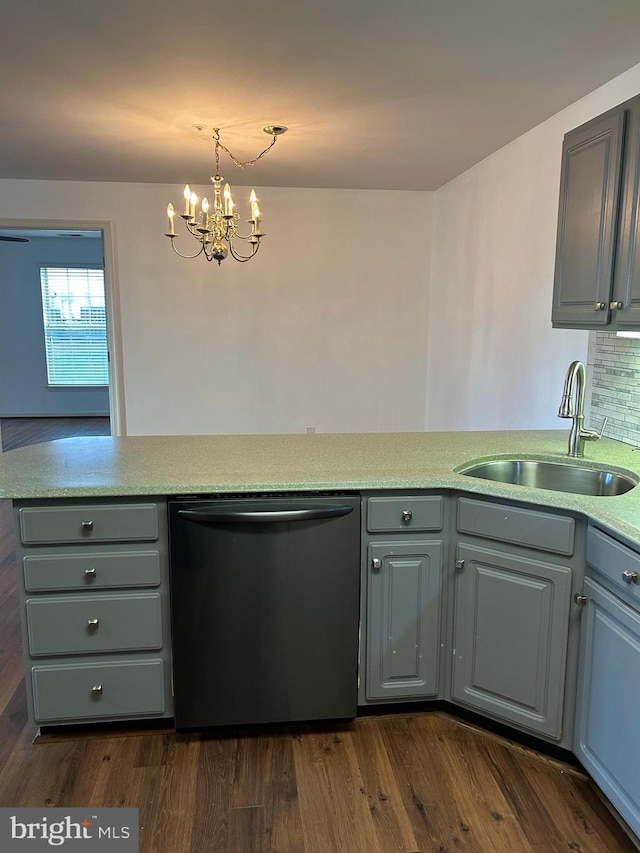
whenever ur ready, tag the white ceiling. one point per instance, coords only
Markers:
(396, 94)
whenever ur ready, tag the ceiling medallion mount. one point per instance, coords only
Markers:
(215, 228)
(275, 129)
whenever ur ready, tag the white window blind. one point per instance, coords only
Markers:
(75, 330)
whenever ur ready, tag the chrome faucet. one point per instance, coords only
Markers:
(574, 409)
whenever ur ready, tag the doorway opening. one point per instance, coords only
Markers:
(59, 332)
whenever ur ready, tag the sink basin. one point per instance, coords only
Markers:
(557, 476)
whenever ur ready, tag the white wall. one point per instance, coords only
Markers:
(490, 337)
(348, 319)
(325, 328)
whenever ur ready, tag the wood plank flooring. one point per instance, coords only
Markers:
(17, 432)
(420, 782)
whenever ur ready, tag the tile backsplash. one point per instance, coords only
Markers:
(614, 369)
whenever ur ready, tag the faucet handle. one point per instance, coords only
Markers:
(592, 434)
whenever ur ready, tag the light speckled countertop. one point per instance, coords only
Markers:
(169, 465)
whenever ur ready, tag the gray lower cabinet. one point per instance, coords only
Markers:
(514, 637)
(402, 601)
(95, 609)
(511, 620)
(606, 739)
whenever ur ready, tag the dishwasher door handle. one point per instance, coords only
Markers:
(249, 516)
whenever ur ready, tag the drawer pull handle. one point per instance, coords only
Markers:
(629, 577)
(89, 573)
(407, 515)
(96, 690)
(92, 624)
(86, 526)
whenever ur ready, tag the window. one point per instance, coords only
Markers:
(75, 330)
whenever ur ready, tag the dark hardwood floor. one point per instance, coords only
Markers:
(17, 432)
(397, 783)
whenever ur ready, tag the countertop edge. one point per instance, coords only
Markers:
(161, 466)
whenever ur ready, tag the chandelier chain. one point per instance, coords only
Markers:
(242, 165)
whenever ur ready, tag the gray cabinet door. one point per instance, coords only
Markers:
(511, 624)
(403, 619)
(588, 221)
(606, 736)
(626, 285)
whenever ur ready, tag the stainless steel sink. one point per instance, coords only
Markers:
(557, 476)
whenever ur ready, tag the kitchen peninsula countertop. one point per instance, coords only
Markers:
(172, 465)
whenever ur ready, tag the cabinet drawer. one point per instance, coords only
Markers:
(526, 527)
(82, 624)
(91, 570)
(80, 691)
(386, 514)
(121, 522)
(612, 559)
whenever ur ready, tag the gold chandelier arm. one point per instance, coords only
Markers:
(243, 258)
(172, 238)
(237, 236)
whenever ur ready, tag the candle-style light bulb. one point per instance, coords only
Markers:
(171, 214)
(227, 198)
(205, 210)
(254, 205)
(187, 199)
(193, 201)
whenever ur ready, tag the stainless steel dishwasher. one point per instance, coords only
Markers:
(265, 608)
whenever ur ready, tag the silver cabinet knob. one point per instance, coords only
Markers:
(629, 577)
(89, 574)
(96, 690)
(580, 600)
(459, 564)
(599, 306)
(93, 624)
(86, 526)
(376, 563)
(613, 305)
(407, 515)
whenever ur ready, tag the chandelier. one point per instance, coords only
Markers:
(215, 226)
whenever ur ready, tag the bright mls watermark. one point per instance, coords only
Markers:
(79, 830)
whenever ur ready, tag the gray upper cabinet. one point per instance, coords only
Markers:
(626, 289)
(590, 184)
(597, 274)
